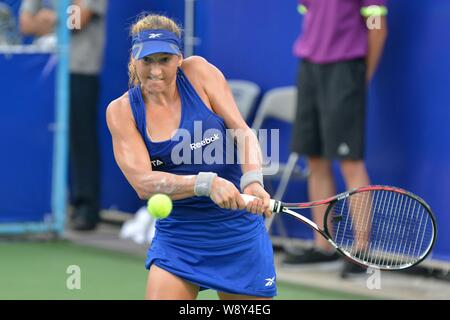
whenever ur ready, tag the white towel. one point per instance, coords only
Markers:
(140, 229)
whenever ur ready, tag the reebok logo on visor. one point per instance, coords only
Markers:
(154, 35)
(149, 42)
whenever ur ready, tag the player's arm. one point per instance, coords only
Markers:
(222, 102)
(85, 13)
(89, 9)
(132, 157)
(377, 34)
(39, 24)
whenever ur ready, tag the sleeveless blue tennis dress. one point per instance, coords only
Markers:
(214, 248)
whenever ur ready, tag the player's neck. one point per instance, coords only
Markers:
(167, 97)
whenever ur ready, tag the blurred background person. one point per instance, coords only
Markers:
(339, 51)
(9, 34)
(38, 18)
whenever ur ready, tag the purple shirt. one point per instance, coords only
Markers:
(333, 30)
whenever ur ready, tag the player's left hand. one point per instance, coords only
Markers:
(261, 203)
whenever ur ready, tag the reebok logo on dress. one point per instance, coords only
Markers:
(204, 142)
(270, 281)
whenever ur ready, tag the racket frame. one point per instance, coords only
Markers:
(284, 207)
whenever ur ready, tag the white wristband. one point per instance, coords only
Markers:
(203, 183)
(250, 177)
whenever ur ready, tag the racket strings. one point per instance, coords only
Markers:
(382, 228)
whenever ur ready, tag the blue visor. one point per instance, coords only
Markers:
(148, 42)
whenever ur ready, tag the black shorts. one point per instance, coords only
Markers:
(330, 118)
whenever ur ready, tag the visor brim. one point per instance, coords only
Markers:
(147, 48)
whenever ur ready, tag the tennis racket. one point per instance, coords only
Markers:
(381, 227)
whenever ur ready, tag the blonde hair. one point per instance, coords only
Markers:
(145, 22)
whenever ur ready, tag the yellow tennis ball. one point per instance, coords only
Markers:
(159, 206)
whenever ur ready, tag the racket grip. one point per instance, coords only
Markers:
(274, 205)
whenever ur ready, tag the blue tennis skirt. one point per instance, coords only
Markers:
(245, 267)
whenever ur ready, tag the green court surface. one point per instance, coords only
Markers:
(40, 270)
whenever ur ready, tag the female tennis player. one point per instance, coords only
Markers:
(171, 135)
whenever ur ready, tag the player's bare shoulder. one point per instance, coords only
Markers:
(118, 112)
(196, 68)
(204, 76)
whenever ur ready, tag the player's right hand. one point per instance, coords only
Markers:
(226, 195)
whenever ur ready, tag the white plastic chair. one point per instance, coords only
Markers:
(280, 103)
(245, 94)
